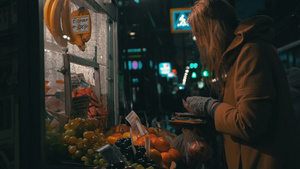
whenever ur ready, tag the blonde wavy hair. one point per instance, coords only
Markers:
(213, 23)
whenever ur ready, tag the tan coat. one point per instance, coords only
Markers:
(256, 116)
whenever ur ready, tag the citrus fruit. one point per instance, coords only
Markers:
(112, 139)
(118, 135)
(121, 128)
(126, 134)
(161, 144)
(140, 141)
(166, 158)
(155, 156)
(175, 154)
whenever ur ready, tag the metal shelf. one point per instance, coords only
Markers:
(66, 70)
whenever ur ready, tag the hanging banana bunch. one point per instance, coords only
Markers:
(65, 26)
(51, 15)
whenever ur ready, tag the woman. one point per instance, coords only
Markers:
(254, 111)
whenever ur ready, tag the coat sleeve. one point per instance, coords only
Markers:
(254, 95)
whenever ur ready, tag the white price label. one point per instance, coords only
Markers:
(81, 24)
(136, 124)
(84, 24)
(75, 23)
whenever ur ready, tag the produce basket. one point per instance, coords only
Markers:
(102, 122)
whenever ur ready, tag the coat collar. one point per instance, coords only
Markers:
(255, 27)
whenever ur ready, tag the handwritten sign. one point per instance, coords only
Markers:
(135, 123)
(81, 24)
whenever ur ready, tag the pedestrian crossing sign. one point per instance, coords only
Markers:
(178, 17)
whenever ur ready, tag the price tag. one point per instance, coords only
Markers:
(80, 24)
(132, 145)
(108, 154)
(84, 24)
(75, 23)
(147, 146)
(136, 124)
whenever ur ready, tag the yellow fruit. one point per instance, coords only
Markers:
(118, 135)
(126, 135)
(88, 134)
(112, 140)
(67, 24)
(55, 25)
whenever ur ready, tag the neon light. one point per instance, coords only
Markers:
(134, 50)
(135, 65)
(140, 65)
(194, 75)
(134, 56)
(164, 68)
(129, 65)
(151, 64)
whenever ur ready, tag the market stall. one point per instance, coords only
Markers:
(83, 125)
(81, 81)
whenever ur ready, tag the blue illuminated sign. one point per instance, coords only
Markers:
(164, 68)
(179, 22)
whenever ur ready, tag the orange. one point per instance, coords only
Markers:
(135, 137)
(151, 135)
(166, 158)
(126, 134)
(175, 154)
(155, 156)
(112, 140)
(161, 144)
(153, 130)
(140, 141)
(118, 135)
(122, 128)
(165, 167)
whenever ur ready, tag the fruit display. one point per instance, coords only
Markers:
(161, 153)
(140, 158)
(58, 19)
(95, 106)
(82, 138)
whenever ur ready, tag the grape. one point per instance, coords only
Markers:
(134, 165)
(81, 138)
(88, 134)
(139, 167)
(102, 161)
(80, 144)
(72, 149)
(73, 140)
(66, 138)
(95, 162)
(78, 153)
(150, 167)
(90, 152)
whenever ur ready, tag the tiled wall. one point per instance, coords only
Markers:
(54, 59)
